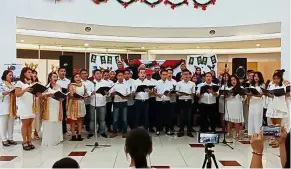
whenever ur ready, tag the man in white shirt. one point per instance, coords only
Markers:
(163, 114)
(152, 100)
(185, 92)
(173, 99)
(121, 92)
(64, 83)
(108, 117)
(141, 100)
(130, 100)
(207, 104)
(98, 104)
(88, 85)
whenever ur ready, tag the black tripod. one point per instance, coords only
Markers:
(96, 144)
(225, 111)
(209, 156)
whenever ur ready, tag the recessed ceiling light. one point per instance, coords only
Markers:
(21, 41)
(88, 29)
(258, 45)
(197, 47)
(142, 47)
(86, 44)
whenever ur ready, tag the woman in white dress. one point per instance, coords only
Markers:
(234, 107)
(52, 114)
(277, 108)
(27, 106)
(76, 106)
(7, 108)
(256, 103)
(36, 124)
(223, 85)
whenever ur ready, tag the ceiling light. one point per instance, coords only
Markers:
(21, 41)
(88, 29)
(142, 47)
(258, 45)
(197, 47)
(86, 44)
(212, 32)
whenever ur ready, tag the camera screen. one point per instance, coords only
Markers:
(208, 138)
(272, 131)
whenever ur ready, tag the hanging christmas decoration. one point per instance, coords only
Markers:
(174, 5)
(152, 4)
(125, 4)
(203, 5)
(97, 2)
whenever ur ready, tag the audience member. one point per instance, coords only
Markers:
(66, 163)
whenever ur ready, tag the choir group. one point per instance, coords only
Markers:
(131, 98)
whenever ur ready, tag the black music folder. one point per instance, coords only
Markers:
(77, 96)
(169, 92)
(274, 92)
(102, 90)
(224, 92)
(141, 88)
(287, 89)
(204, 88)
(239, 91)
(253, 91)
(245, 85)
(185, 94)
(151, 86)
(121, 95)
(64, 90)
(60, 95)
(38, 88)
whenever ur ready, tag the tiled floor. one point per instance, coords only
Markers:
(168, 152)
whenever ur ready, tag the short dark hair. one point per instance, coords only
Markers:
(83, 70)
(163, 70)
(105, 71)
(119, 71)
(66, 162)
(186, 70)
(96, 70)
(127, 70)
(170, 69)
(60, 68)
(5, 73)
(250, 71)
(207, 73)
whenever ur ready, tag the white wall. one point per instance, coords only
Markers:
(224, 13)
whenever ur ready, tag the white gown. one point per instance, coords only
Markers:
(277, 107)
(234, 108)
(25, 102)
(255, 118)
(52, 128)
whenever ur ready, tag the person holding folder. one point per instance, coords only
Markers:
(121, 92)
(8, 108)
(98, 103)
(141, 93)
(130, 99)
(64, 83)
(207, 103)
(52, 113)
(76, 106)
(234, 106)
(152, 99)
(185, 91)
(27, 106)
(36, 124)
(255, 117)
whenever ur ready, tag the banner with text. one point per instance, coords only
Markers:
(206, 63)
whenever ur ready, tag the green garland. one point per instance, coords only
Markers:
(125, 4)
(152, 4)
(203, 5)
(174, 5)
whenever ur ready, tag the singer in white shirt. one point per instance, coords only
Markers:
(109, 102)
(185, 92)
(163, 114)
(120, 104)
(141, 100)
(98, 104)
(207, 104)
(152, 100)
(130, 100)
(64, 83)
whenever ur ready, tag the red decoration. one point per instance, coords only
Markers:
(213, 2)
(96, 2)
(186, 2)
(196, 6)
(204, 7)
(152, 5)
(166, 2)
(125, 4)
(160, 0)
(173, 6)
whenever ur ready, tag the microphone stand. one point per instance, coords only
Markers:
(96, 144)
(224, 108)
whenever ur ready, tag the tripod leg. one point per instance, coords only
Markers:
(214, 160)
(205, 159)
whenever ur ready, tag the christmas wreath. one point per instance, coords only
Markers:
(174, 5)
(125, 4)
(99, 1)
(152, 4)
(204, 5)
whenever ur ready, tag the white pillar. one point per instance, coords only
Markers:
(148, 56)
(285, 42)
(8, 35)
